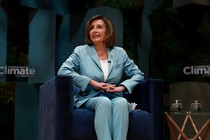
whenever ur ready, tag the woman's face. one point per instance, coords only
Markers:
(97, 31)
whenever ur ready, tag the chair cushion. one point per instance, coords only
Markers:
(140, 125)
(82, 125)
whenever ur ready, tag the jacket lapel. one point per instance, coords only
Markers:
(93, 54)
(110, 59)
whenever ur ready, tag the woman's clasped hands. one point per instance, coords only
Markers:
(106, 87)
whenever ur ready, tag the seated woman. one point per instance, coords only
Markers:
(97, 69)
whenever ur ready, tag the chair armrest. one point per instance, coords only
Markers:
(148, 94)
(151, 91)
(54, 108)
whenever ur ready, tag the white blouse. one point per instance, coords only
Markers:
(105, 68)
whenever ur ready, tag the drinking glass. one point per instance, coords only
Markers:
(176, 106)
(196, 106)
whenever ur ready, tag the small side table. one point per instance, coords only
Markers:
(205, 129)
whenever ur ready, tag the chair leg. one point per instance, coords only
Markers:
(183, 126)
(194, 127)
(205, 126)
(172, 124)
(207, 132)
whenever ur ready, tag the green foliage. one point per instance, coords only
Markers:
(2, 2)
(173, 49)
(130, 33)
(7, 93)
(132, 10)
(120, 4)
(7, 101)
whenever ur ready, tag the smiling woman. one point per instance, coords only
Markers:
(97, 35)
(102, 89)
(104, 27)
(97, 31)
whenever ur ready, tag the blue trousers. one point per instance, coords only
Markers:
(111, 117)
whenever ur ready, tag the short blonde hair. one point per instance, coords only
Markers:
(110, 33)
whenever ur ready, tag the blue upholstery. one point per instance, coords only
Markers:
(59, 120)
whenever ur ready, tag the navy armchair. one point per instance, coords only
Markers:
(59, 120)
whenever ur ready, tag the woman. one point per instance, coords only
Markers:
(97, 69)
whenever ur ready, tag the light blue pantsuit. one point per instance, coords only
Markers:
(111, 109)
(84, 65)
(111, 117)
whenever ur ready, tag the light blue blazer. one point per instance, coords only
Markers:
(84, 65)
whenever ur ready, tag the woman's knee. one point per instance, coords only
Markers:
(120, 102)
(104, 102)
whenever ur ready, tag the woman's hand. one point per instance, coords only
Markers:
(116, 89)
(106, 87)
(103, 87)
